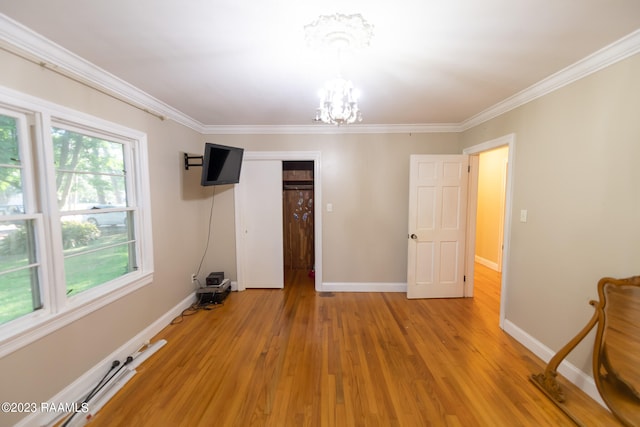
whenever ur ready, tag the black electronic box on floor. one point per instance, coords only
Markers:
(216, 290)
(215, 279)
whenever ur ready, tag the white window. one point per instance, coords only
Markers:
(75, 231)
(20, 291)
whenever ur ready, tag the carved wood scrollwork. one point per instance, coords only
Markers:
(616, 355)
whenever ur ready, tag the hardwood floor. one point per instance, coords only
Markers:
(295, 357)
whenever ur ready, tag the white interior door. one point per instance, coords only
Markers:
(259, 235)
(437, 222)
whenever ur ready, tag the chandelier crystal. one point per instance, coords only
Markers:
(338, 103)
(338, 33)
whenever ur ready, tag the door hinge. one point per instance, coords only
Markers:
(468, 168)
(464, 278)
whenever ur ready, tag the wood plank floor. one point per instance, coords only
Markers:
(295, 357)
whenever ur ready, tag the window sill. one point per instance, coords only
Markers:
(30, 328)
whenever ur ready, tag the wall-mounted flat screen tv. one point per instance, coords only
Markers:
(221, 164)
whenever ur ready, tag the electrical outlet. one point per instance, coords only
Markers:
(193, 278)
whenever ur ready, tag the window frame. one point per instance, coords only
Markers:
(41, 206)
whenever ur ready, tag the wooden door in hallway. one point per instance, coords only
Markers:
(298, 228)
(298, 207)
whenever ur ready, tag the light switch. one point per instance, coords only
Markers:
(523, 215)
(329, 207)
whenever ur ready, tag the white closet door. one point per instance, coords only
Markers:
(259, 233)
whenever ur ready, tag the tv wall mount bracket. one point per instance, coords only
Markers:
(188, 158)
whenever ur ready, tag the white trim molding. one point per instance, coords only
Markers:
(75, 391)
(576, 376)
(31, 330)
(487, 263)
(609, 55)
(331, 129)
(508, 140)
(32, 46)
(363, 287)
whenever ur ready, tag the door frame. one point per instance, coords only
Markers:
(474, 152)
(314, 156)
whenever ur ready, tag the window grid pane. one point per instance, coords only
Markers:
(90, 171)
(11, 182)
(88, 270)
(98, 240)
(19, 284)
(17, 296)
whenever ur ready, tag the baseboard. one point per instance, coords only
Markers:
(487, 263)
(363, 287)
(76, 390)
(576, 376)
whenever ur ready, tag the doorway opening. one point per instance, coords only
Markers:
(490, 211)
(491, 269)
(298, 219)
(259, 218)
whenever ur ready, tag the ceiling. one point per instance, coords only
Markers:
(245, 63)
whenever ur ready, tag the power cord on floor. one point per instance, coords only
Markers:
(193, 309)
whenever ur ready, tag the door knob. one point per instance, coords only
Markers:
(413, 237)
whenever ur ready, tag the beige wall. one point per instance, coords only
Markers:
(576, 173)
(366, 178)
(490, 209)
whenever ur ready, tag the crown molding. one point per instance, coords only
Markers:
(608, 55)
(330, 129)
(18, 39)
(23, 41)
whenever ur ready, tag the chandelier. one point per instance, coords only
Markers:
(337, 34)
(338, 103)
